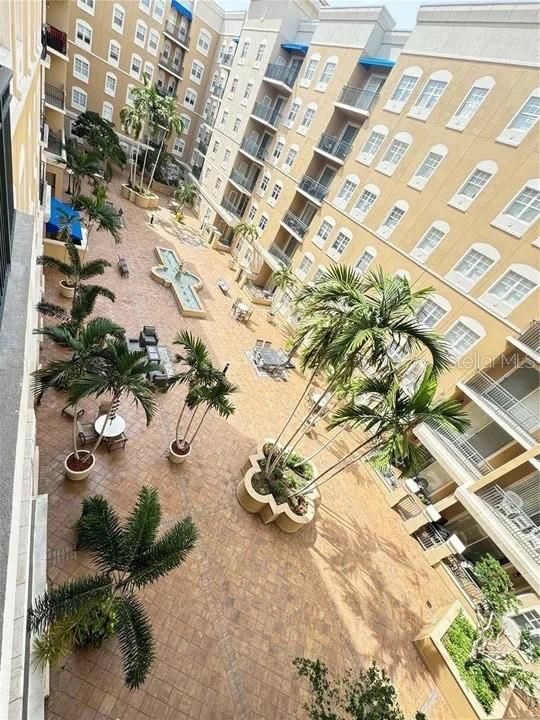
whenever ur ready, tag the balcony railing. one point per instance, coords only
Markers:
(334, 147)
(461, 450)
(282, 73)
(313, 188)
(202, 147)
(409, 507)
(229, 206)
(514, 519)
(217, 90)
(266, 113)
(254, 149)
(279, 254)
(54, 144)
(248, 183)
(294, 223)
(464, 578)
(226, 59)
(524, 421)
(54, 96)
(210, 119)
(196, 171)
(358, 98)
(172, 64)
(531, 336)
(178, 32)
(56, 39)
(430, 536)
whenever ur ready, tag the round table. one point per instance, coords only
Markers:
(114, 427)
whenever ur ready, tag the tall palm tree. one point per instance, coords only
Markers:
(83, 305)
(132, 120)
(283, 280)
(168, 120)
(82, 164)
(186, 194)
(128, 555)
(148, 100)
(213, 395)
(246, 231)
(97, 213)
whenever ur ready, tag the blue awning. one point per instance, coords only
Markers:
(59, 211)
(295, 47)
(368, 62)
(236, 40)
(182, 9)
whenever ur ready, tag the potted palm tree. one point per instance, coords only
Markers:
(132, 119)
(83, 165)
(168, 120)
(99, 214)
(283, 280)
(82, 306)
(75, 271)
(86, 611)
(243, 231)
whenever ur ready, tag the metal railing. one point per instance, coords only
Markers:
(523, 420)
(217, 90)
(171, 64)
(531, 336)
(266, 113)
(295, 224)
(279, 254)
(254, 149)
(282, 73)
(54, 96)
(229, 206)
(202, 147)
(313, 188)
(226, 59)
(334, 146)
(462, 451)
(516, 521)
(409, 507)
(247, 183)
(357, 98)
(56, 39)
(54, 144)
(430, 536)
(178, 32)
(196, 171)
(464, 578)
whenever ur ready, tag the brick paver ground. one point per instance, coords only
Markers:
(351, 587)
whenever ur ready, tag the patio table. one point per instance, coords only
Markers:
(270, 358)
(114, 427)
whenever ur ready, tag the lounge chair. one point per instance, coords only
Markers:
(87, 432)
(69, 411)
(117, 443)
(148, 336)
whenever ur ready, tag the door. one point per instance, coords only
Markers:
(326, 176)
(374, 83)
(265, 141)
(307, 214)
(349, 134)
(278, 104)
(295, 67)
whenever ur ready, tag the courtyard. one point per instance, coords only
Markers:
(349, 588)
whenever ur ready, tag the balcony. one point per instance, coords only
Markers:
(217, 91)
(313, 189)
(266, 114)
(253, 150)
(281, 75)
(172, 65)
(295, 225)
(279, 254)
(464, 578)
(56, 40)
(226, 59)
(510, 413)
(356, 101)
(196, 171)
(202, 146)
(55, 145)
(210, 119)
(333, 148)
(529, 341)
(178, 33)
(54, 97)
(242, 182)
(231, 208)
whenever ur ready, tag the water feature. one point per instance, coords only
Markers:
(184, 283)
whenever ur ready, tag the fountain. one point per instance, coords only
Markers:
(184, 284)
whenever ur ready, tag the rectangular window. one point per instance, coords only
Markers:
(226, 155)
(512, 288)
(215, 147)
(431, 94)
(527, 116)
(159, 9)
(473, 265)
(260, 52)
(145, 6)
(395, 152)
(474, 184)
(118, 18)
(430, 164)
(178, 147)
(234, 86)
(404, 88)
(430, 314)
(107, 112)
(471, 103)
(245, 50)
(461, 338)
(114, 53)
(247, 92)
(224, 117)
(236, 126)
(526, 206)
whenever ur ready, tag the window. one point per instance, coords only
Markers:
(324, 231)
(178, 146)
(373, 144)
(428, 166)
(461, 337)
(186, 122)
(365, 202)
(432, 311)
(327, 73)
(305, 265)
(260, 53)
(197, 71)
(148, 71)
(293, 112)
(129, 94)
(234, 86)
(190, 98)
(311, 69)
(78, 98)
(470, 104)
(529, 620)
(512, 288)
(83, 34)
(153, 42)
(144, 5)
(346, 190)
(263, 222)
(110, 84)
(204, 41)
(114, 53)
(473, 265)
(338, 247)
(81, 68)
(403, 89)
(247, 92)
(107, 111)
(252, 212)
(278, 149)
(215, 147)
(308, 118)
(245, 49)
(140, 33)
(291, 157)
(522, 211)
(118, 17)
(218, 181)
(237, 121)
(224, 117)
(432, 238)
(319, 274)
(394, 217)
(365, 260)
(276, 192)
(393, 156)
(474, 184)
(430, 95)
(264, 184)
(523, 121)
(226, 155)
(135, 67)
(159, 10)
(86, 5)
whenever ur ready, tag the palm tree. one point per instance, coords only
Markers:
(132, 122)
(186, 194)
(128, 556)
(246, 231)
(169, 121)
(148, 100)
(82, 164)
(283, 280)
(83, 305)
(99, 214)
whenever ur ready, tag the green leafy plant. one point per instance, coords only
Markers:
(83, 165)
(99, 214)
(186, 194)
(128, 556)
(283, 280)
(100, 135)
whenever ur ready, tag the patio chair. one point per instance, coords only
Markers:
(267, 344)
(148, 336)
(259, 343)
(117, 443)
(86, 432)
(69, 411)
(235, 305)
(223, 285)
(104, 408)
(249, 313)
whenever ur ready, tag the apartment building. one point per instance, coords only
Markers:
(23, 209)
(348, 141)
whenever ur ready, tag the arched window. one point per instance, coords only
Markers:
(403, 89)
(141, 30)
(110, 84)
(430, 95)
(365, 202)
(428, 166)
(471, 102)
(278, 149)
(364, 261)
(114, 53)
(186, 122)
(118, 18)
(263, 222)
(79, 98)
(148, 71)
(245, 49)
(197, 72)
(394, 217)
(305, 265)
(309, 115)
(135, 66)
(340, 244)
(311, 69)
(81, 68)
(523, 121)
(463, 336)
(276, 192)
(373, 144)
(472, 266)
(292, 154)
(260, 54)
(324, 231)
(107, 111)
(395, 153)
(264, 183)
(433, 310)
(190, 98)
(522, 211)
(153, 41)
(347, 190)
(516, 284)
(474, 184)
(204, 41)
(293, 112)
(83, 34)
(434, 235)
(327, 73)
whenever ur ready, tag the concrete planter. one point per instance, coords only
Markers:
(125, 192)
(174, 457)
(65, 290)
(78, 474)
(265, 505)
(142, 201)
(460, 699)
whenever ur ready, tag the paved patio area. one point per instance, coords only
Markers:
(351, 587)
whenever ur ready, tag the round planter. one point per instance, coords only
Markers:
(153, 201)
(65, 290)
(78, 474)
(174, 457)
(125, 191)
(132, 195)
(142, 201)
